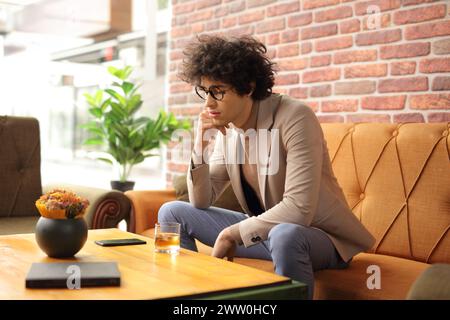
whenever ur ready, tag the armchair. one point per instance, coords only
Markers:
(20, 183)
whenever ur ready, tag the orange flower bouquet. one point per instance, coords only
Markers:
(61, 204)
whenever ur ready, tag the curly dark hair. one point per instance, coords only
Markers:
(236, 61)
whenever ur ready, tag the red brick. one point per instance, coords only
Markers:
(411, 2)
(361, 7)
(283, 8)
(258, 3)
(176, 55)
(177, 99)
(328, 74)
(354, 87)
(434, 65)
(201, 16)
(251, 17)
(330, 118)
(289, 36)
(441, 46)
(377, 37)
(271, 53)
(439, 117)
(366, 70)
(430, 101)
(351, 56)
(229, 22)
(207, 3)
(183, 8)
(314, 105)
(405, 50)
(178, 32)
(441, 83)
(323, 90)
(420, 14)
(312, 4)
(286, 79)
(383, 103)
(340, 12)
(319, 31)
(320, 61)
(298, 20)
(299, 93)
(427, 30)
(181, 87)
(306, 47)
(221, 12)
(288, 50)
(236, 7)
(271, 25)
(212, 25)
(198, 28)
(377, 21)
(366, 117)
(350, 26)
(403, 67)
(408, 117)
(403, 84)
(241, 31)
(292, 64)
(172, 66)
(273, 39)
(340, 105)
(334, 43)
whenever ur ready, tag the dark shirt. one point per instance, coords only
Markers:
(250, 196)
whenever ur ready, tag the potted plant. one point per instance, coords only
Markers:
(61, 231)
(126, 138)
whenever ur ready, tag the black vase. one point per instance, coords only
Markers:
(122, 186)
(61, 238)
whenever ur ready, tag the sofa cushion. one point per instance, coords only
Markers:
(16, 225)
(397, 277)
(20, 165)
(396, 180)
(226, 200)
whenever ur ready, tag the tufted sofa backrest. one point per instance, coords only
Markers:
(396, 179)
(20, 161)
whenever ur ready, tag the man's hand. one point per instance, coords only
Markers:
(225, 245)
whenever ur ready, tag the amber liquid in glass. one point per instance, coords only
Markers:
(167, 242)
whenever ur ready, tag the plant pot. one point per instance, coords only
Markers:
(61, 238)
(122, 186)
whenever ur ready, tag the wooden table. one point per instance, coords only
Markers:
(144, 273)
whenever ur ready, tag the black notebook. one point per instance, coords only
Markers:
(71, 274)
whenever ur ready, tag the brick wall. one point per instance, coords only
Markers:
(351, 61)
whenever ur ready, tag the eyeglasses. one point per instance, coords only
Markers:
(215, 91)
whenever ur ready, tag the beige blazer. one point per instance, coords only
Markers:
(295, 178)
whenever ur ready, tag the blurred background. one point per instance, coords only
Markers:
(53, 51)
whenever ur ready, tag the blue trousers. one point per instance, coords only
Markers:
(296, 251)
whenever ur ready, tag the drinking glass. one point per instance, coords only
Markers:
(167, 237)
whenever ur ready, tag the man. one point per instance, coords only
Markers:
(296, 213)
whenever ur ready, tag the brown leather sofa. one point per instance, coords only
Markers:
(20, 182)
(396, 179)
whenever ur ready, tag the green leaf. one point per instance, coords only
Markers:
(96, 112)
(117, 109)
(93, 141)
(98, 97)
(105, 160)
(117, 96)
(127, 87)
(90, 99)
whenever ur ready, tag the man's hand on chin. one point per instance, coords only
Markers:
(225, 245)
